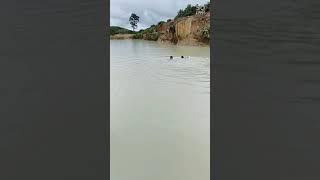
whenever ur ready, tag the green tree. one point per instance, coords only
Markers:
(161, 22)
(180, 13)
(188, 11)
(134, 19)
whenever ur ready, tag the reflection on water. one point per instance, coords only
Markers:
(159, 111)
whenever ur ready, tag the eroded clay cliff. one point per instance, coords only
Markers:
(192, 30)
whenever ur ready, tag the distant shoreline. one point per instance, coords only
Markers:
(121, 36)
(124, 37)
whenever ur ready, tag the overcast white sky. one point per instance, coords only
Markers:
(149, 11)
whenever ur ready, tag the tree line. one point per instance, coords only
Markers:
(191, 10)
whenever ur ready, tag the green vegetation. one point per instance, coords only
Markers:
(205, 32)
(119, 30)
(152, 36)
(191, 10)
(188, 11)
(149, 34)
(161, 22)
(138, 36)
(134, 19)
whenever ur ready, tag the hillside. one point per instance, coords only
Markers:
(119, 30)
(190, 30)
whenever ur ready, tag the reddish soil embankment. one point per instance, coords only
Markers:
(191, 30)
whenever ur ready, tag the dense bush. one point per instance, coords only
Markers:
(150, 29)
(152, 36)
(138, 36)
(151, 33)
(188, 11)
(148, 34)
(191, 10)
(161, 22)
(205, 32)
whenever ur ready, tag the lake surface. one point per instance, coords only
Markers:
(160, 111)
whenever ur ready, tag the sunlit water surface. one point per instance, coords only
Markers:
(159, 111)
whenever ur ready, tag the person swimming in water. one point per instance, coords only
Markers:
(171, 57)
(182, 57)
